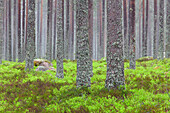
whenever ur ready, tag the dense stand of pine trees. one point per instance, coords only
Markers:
(76, 29)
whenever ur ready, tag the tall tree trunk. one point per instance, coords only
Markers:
(41, 21)
(14, 30)
(161, 30)
(144, 38)
(132, 34)
(23, 31)
(7, 34)
(146, 26)
(90, 32)
(38, 30)
(60, 38)
(30, 46)
(167, 29)
(10, 29)
(26, 27)
(140, 30)
(19, 32)
(83, 53)
(125, 28)
(155, 52)
(55, 21)
(115, 64)
(71, 29)
(1, 27)
(49, 31)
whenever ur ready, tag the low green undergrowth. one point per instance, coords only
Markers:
(147, 89)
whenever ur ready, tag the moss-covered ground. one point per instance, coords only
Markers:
(147, 89)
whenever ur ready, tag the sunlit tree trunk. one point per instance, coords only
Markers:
(115, 64)
(167, 29)
(60, 38)
(161, 30)
(30, 45)
(83, 53)
(1, 27)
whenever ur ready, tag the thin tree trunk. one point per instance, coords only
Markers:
(14, 30)
(55, 21)
(161, 30)
(140, 38)
(19, 32)
(155, 52)
(168, 29)
(10, 29)
(146, 26)
(115, 65)
(1, 27)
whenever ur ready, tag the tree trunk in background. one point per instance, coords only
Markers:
(71, 29)
(146, 26)
(140, 29)
(10, 29)
(19, 32)
(38, 30)
(1, 27)
(49, 31)
(14, 30)
(155, 52)
(66, 38)
(55, 21)
(23, 31)
(7, 34)
(132, 34)
(115, 64)
(30, 45)
(90, 32)
(167, 29)
(161, 30)
(144, 38)
(125, 29)
(60, 38)
(84, 71)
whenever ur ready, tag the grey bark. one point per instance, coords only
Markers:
(60, 38)
(1, 27)
(30, 44)
(167, 29)
(115, 65)
(161, 30)
(19, 32)
(83, 57)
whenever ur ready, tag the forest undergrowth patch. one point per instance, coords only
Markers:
(147, 89)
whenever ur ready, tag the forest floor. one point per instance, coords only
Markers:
(147, 89)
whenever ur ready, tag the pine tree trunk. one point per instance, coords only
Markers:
(30, 45)
(168, 29)
(19, 32)
(115, 64)
(83, 56)
(14, 30)
(55, 21)
(10, 29)
(60, 38)
(1, 27)
(155, 52)
(161, 30)
(132, 34)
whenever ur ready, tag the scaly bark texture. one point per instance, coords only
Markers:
(155, 52)
(83, 53)
(49, 31)
(30, 46)
(167, 29)
(19, 32)
(132, 34)
(1, 27)
(161, 30)
(60, 38)
(115, 64)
